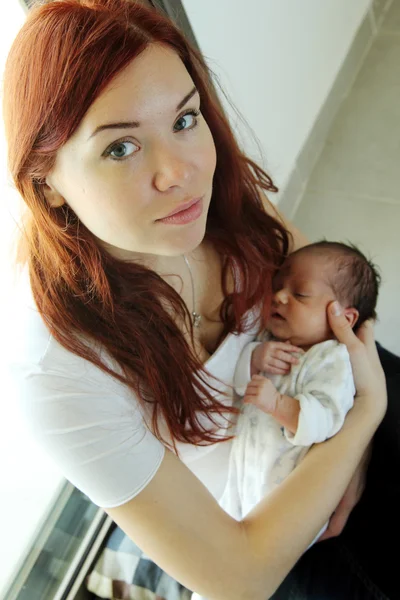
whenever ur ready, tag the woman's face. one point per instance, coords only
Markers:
(139, 153)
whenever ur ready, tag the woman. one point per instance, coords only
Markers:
(151, 247)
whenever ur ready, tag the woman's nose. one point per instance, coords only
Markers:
(170, 170)
(281, 296)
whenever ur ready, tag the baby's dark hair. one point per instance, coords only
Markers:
(355, 279)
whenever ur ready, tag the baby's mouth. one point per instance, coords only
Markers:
(277, 316)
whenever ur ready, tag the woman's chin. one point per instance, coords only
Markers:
(187, 241)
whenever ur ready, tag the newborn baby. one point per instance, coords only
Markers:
(296, 378)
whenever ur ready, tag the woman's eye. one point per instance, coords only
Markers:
(121, 150)
(187, 121)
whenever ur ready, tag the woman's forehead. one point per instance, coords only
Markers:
(151, 85)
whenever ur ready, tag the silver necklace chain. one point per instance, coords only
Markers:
(195, 316)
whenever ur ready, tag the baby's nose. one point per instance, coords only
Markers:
(281, 296)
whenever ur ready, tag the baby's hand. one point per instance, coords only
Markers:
(262, 393)
(274, 358)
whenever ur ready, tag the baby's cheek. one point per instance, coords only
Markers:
(317, 326)
(324, 329)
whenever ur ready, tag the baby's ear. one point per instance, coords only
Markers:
(351, 315)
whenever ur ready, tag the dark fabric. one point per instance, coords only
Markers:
(329, 571)
(363, 562)
(374, 529)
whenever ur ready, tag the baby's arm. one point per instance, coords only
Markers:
(262, 393)
(264, 355)
(325, 392)
(287, 412)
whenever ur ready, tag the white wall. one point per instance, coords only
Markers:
(277, 60)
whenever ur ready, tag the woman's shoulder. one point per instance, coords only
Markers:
(50, 381)
(86, 420)
(32, 348)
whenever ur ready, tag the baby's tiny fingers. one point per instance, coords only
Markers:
(251, 397)
(288, 347)
(279, 364)
(253, 387)
(287, 358)
(276, 371)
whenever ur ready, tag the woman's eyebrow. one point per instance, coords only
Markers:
(187, 98)
(134, 124)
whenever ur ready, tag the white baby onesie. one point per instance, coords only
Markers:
(263, 452)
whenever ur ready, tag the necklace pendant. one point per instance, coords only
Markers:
(196, 319)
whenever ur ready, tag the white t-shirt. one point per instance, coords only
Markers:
(92, 425)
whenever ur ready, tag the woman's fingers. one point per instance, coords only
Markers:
(367, 337)
(366, 334)
(350, 498)
(367, 370)
(363, 341)
(341, 327)
(337, 522)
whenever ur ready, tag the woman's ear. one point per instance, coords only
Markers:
(351, 315)
(52, 196)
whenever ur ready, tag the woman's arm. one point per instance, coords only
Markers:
(177, 522)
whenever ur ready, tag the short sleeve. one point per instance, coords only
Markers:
(92, 427)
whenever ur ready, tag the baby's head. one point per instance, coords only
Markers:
(310, 279)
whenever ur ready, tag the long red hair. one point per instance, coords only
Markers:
(66, 53)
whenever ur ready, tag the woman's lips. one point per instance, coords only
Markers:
(185, 216)
(183, 206)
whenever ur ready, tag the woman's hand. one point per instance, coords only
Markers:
(369, 378)
(351, 497)
(370, 384)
